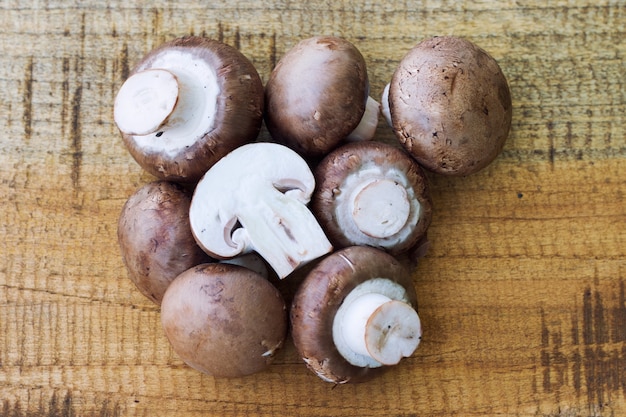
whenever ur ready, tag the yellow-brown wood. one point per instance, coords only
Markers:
(522, 293)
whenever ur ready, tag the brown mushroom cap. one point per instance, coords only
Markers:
(450, 105)
(319, 297)
(155, 237)
(239, 111)
(316, 95)
(224, 320)
(387, 162)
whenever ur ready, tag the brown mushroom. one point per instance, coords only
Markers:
(450, 105)
(372, 193)
(186, 104)
(317, 96)
(355, 314)
(155, 237)
(224, 320)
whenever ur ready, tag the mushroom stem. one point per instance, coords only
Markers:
(366, 128)
(385, 105)
(373, 328)
(145, 101)
(381, 208)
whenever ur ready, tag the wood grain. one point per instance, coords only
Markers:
(522, 293)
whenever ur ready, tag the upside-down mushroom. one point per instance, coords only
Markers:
(187, 104)
(355, 314)
(371, 193)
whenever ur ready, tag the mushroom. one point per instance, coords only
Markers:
(450, 106)
(155, 237)
(224, 320)
(318, 95)
(372, 193)
(254, 199)
(187, 104)
(354, 315)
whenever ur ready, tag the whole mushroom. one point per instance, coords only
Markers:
(318, 96)
(187, 104)
(255, 199)
(355, 314)
(450, 105)
(224, 320)
(155, 237)
(372, 193)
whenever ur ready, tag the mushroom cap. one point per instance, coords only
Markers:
(316, 95)
(450, 105)
(238, 108)
(224, 320)
(369, 160)
(155, 237)
(319, 297)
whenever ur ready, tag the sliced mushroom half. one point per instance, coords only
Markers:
(255, 199)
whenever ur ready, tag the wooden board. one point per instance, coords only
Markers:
(522, 293)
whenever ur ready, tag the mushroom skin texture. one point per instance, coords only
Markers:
(321, 295)
(317, 96)
(155, 238)
(224, 320)
(450, 106)
(374, 194)
(255, 199)
(186, 104)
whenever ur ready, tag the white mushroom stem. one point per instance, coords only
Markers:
(377, 206)
(375, 325)
(366, 129)
(385, 105)
(381, 208)
(145, 101)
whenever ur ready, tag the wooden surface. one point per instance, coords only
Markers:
(522, 294)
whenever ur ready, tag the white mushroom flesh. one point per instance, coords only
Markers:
(195, 103)
(375, 325)
(145, 101)
(366, 129)
(254, 199)
(376, 206)
(385, 105)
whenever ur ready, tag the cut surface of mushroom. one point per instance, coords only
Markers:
(254, 199)
(375, 325)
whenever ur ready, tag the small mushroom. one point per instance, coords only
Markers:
(224, 320)
(355, 314)
(450, 106)
(187, 104)
(254, 199)
(155, 237)
(371, 193)
(318, 96)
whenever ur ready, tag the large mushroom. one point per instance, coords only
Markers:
(224, 320)
(155, 237)
(187, 104)
(372, 193)
(254, 199)
(318, 96)
(450, 105)
(354, 315)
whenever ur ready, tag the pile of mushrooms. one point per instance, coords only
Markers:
(229, 217)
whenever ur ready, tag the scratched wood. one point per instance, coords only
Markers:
(522, 293)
